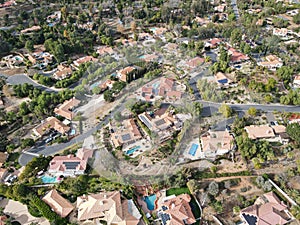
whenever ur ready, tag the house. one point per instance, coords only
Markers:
(65, 109)
(40, 59)
(220, 8)
(260, 132)
(31, 29)
(176, 210)
(70, 165)
(103, 50)
(294, 118)
(3, 158)
(12, 61)
(260, 22)
(144, 36)
(58, 204)
(236, 56)
(62, 72)
(149, 57)
(161, 88)
(158, 31)
(296, 82)
(162, 122)
(222, 79)
(195, 62)
(108, 84)
(109, 207)
(126, 135)
(3, 174)
(83, 60)
(8, 4)
(50, 123)
(216, 143)
(272, 62)
(282, 32)
(201, 21)
(267, 210)
(280, 132)
(122, 74)
(213, 43)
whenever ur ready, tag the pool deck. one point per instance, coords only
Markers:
(144, 146)
(199, 154)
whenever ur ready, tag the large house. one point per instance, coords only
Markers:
(267, 210)
(236, 56)
(65, 109)
(222, 79)
(62, 72)
(50, 123)
(122, 74)
(162, 122)
(108, 207)
(70, 165)
(195, 62)
(83, 60)
(58, 204)
(216, 143)
(260, 132)
(160, 88)
(176, 210)
(127, 135)
(272, 62)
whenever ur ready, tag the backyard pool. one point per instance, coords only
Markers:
(193, 149)
(150, 201)
(132, 150)
(48, 179)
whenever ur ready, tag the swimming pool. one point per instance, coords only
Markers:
(95, 85)
(73, 132)
(150, 201)
(48, 179)
(132, 150)
(193, 149)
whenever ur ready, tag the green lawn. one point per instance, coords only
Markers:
(178, 191)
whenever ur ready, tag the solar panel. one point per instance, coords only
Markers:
(164, 218)
(164, 208)
(251, 220)
(71, 165)
(126, 137)
(160, 122)
(145, 121)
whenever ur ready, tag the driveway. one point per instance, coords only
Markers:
(20, 212)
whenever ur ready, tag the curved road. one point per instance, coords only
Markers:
(22, 79)
(209, 108)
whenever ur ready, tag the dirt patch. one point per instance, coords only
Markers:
(12, 71)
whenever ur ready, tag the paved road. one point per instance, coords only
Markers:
(22, 79)
(235, 9)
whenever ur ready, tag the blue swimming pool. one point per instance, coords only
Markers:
(95, 85)
(150, 201)
(48, 179)
(132, 150)
(193, 149)
(73, 132)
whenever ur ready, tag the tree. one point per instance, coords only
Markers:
(191, 184)
(225, 110)
(29, 45)
(213, 188)
(252, 111)
(27, 142)
(293, 130)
